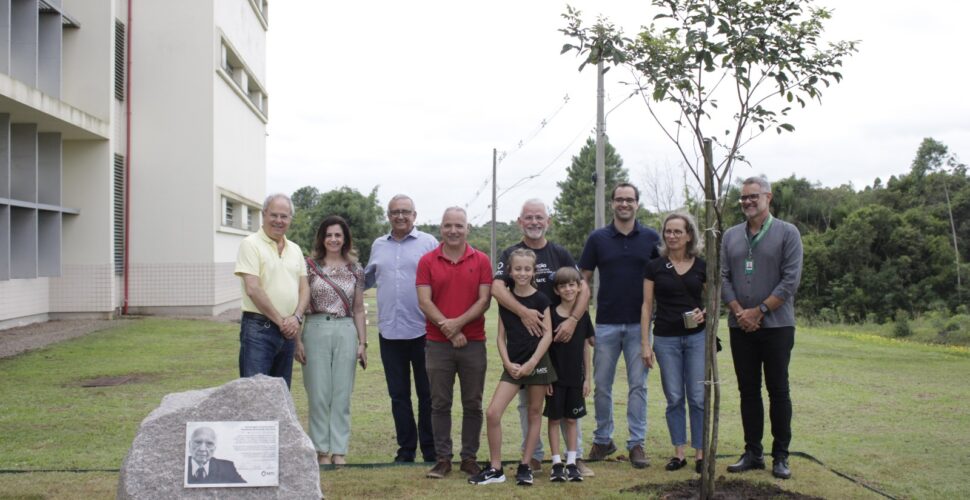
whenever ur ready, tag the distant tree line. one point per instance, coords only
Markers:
(884, 251)
(896, 248)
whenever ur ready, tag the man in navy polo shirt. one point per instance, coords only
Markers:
(620, 251)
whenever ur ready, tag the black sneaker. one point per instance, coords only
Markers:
(523, 475)
(488, 475)
(573, 473)
(558, 474)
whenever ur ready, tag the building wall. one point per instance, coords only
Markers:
(87, 67)
(171, 133)
(196, 137)
(239, 161)
(170, 243)
(87, 274)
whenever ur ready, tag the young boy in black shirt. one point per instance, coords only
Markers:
(566, 397)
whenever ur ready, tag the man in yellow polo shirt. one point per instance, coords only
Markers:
(275, 294)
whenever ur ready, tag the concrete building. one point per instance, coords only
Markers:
(132, 161)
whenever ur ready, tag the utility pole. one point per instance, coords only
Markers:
(600, 195)
(492, 250)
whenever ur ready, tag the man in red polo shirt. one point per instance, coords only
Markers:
(454, 290)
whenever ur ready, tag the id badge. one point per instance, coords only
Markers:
(748, 266)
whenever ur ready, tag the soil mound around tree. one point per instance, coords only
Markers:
(733, 489)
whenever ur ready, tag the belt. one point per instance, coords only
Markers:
(326, 316)
(252, 315)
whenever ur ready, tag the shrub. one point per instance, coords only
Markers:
(902, 328)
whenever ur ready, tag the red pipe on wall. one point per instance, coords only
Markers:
(124, 304)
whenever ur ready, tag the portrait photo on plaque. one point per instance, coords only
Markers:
(232, 454)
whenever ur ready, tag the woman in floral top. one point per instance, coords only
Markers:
(334, 338)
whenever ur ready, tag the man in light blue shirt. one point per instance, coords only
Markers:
(392, 266)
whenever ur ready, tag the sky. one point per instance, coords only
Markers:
(412, 97)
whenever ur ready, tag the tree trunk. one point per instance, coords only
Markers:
(956, 251)
(712, 390)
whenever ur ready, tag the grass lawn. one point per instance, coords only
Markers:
(890, 414)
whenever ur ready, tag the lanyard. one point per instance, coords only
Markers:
(753, 242)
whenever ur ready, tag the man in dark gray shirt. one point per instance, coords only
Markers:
(761, 266)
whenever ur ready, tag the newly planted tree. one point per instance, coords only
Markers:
(732, 69)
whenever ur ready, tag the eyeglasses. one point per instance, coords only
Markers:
(628, 201)
(674, 232)
(400, 213)
(749, 197)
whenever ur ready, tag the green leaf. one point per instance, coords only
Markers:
(566, 48)
(787, 126)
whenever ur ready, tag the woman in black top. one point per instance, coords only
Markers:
(676, 280)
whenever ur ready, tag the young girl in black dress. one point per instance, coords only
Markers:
(526, 364)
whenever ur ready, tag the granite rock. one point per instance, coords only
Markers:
(155, 464)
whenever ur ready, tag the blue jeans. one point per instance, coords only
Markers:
(610, 341)
(262, 348)
(681, 362)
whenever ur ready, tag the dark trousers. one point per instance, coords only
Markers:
(468, 363)
(767, 349)
(400, 358)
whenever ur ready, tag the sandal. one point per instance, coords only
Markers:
(676, 464)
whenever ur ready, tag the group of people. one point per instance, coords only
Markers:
(432, 298)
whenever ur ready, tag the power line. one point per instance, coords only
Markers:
(532, 135)
(528, 178)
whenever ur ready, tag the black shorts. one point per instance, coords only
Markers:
(565, 402)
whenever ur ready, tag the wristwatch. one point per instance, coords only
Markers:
(299, 319)
(763, 308)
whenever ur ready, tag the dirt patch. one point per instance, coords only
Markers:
(132, 378)
(733, 489)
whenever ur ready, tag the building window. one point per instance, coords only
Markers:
(238, 75)
(119, 214)
(228, 208)
(261, 8)
(120, 49)
(238, 214)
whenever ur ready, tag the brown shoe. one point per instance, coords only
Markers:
(601, 451)
(638, 459)
(583, 468)
(535, 465)
(440, 470)
(470, 466)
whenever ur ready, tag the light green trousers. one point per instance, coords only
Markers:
(331, 355)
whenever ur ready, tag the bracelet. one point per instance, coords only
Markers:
(574, 318)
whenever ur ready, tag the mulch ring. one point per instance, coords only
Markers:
(733, 489)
